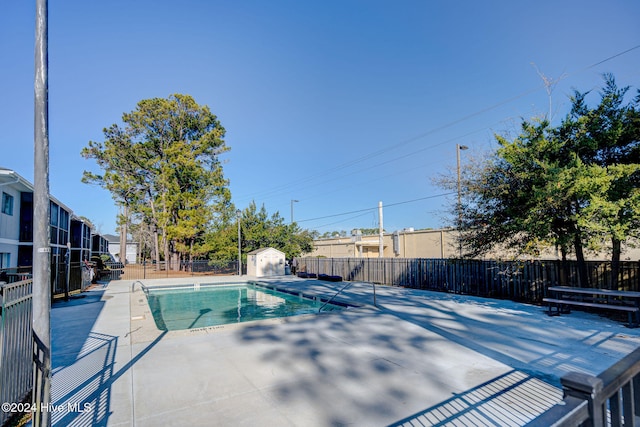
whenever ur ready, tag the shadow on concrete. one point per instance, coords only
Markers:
(504, 334)
(345, 368)
(368, 358)
(81, 392)
(499, 402)
(526, 340)
(84, 362)
(71, 323)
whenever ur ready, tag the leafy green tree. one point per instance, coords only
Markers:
(163, 164)
(572, 187)
(510, 197)
(607, 138)
(258, 230)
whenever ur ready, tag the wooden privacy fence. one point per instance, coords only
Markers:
(515, 280)
(16, 343)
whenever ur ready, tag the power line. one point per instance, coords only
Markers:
(342, 220)
(376, 165)
(335, 215)
(375, 208)
(303, 183)
(419, 199)
(612, 57)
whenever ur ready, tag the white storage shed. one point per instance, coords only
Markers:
(265, 262)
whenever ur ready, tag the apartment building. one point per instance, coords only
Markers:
(71, 238)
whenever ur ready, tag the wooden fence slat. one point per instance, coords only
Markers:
(525, 281)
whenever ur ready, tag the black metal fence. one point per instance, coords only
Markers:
(178, 269)
(515, 280)
(16, 343)
(69, 279)
(65, 279)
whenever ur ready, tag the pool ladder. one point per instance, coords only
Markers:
(345, 287)
(142, 286)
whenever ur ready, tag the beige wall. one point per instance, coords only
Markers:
(424, 244)
(411, 244)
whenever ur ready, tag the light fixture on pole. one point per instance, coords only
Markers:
(238, 214)
(292, 202)
(459, 207)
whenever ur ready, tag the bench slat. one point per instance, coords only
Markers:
(591, 304)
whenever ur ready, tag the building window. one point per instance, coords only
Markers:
(7, 204)
(5, 259)
(53, 214)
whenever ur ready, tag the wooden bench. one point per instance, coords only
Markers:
(625, 301)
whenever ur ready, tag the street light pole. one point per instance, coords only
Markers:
(292, 202)
(238, 214)
(41, 215)
(458, 149)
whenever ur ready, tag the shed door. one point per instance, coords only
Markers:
(271, 264)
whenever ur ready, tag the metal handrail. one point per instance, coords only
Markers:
(142, 286)
(345, 287)
(335, 295)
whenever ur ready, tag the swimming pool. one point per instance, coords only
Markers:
(202, 305)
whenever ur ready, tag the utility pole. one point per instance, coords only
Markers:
(458, 149)
(238, 216)
(41, 243)
(380, 232)
(292, 202)
(124, 219)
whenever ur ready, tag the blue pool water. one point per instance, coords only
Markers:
(197, 306)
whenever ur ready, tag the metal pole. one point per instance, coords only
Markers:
(238, 214)
(381, 232)
(67, 259)
(123, 232)
(41, 243)
(458, 149)
(292, 202)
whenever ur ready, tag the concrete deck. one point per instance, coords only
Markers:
(419, 358)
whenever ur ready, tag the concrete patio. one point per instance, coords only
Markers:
(418, 358)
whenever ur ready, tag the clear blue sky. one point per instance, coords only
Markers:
(337, 104)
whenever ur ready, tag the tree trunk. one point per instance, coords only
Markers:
(156, 244)
(615, 262)
(155, 231)
(165, 243)
(576, 233)
(165, 238)
(564, 269)
(583, 275)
